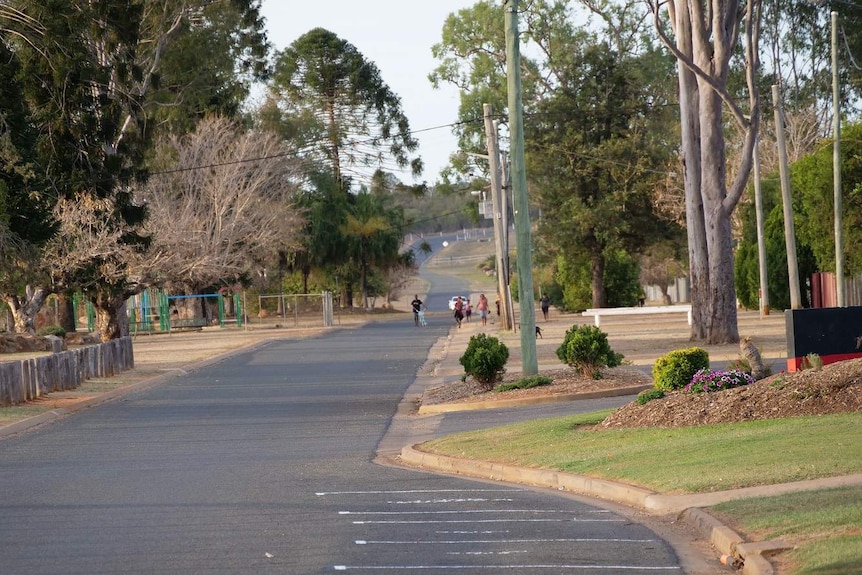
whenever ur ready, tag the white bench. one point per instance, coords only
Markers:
(653, 309)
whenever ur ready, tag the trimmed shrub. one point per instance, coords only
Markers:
(649, 395)
(586, 348)
(674, 370)
(525, 383)
(485, 359)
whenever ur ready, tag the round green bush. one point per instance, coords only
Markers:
(674, 370)
(586, 348)
(649, 395)
(485, 359)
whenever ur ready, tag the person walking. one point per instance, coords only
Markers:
(416, 304)
(468, 310)
(459, 311)
(482, 306)
(545, 302)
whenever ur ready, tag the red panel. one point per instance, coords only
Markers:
(795, 363)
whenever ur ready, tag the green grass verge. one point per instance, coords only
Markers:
(680, 460)
(826, 527)
(16, 413)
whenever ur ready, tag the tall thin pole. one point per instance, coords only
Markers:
(496, 192)
(761, 239)
(836, 167)
(529, 361)
(789, 233)
(504, 201)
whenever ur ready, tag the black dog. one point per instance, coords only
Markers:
(539, 332)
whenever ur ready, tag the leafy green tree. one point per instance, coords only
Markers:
(374, 233)
(26, 222)
(77, 64)
(747, 268)
(811, 180)
(215, 51)
(91, 84)
(593, 162)
(323, 246)
(472, 55)
(339, 107)
(575, 279)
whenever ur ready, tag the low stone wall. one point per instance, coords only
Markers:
(26, 380)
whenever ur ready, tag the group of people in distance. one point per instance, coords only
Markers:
(463, 310)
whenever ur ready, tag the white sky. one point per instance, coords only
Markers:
(397, 36)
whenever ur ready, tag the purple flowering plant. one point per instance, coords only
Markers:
(707, 380)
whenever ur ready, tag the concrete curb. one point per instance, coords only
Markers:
(732, 549)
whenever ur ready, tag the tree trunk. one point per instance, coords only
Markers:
(690, 134)
(597, 271)
(66, 312)
(24, 311)
(721, 324)
(111, 319)
(363, 281)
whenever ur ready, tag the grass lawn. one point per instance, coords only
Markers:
(827, 525)
(12, 414)
(683, 460)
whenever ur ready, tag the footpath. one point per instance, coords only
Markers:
(159, 358)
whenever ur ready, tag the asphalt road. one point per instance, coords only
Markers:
(264, 463)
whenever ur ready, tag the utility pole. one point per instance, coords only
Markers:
(836, 167)
(504, 205)
(496, 188)
(789, 233)
(529, 360)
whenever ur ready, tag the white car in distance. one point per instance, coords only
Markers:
(454, 299)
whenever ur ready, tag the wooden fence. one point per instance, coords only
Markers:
(23, 381)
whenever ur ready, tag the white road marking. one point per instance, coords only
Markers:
(485, 541)
(434, 522)
(471, 532)
(463, 500)
(476, 553)
(471, 512)
(325, 493)
(500, 567)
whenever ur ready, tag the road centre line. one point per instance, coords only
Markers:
(490, 541)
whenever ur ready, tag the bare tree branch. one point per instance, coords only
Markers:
(222, 208)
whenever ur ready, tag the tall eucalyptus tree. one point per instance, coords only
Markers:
(704, 37)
